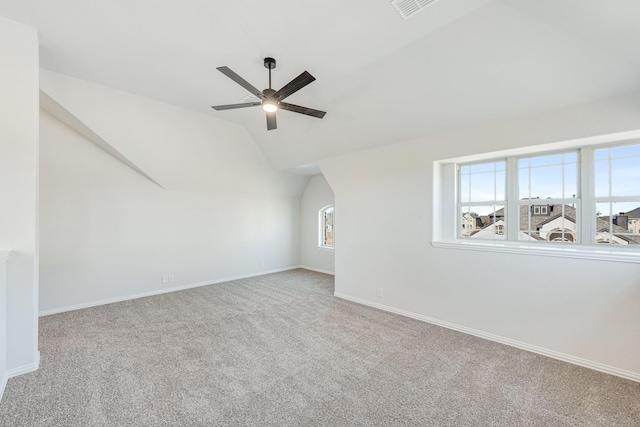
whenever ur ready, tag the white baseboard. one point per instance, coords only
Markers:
(25, 369)
(157, 292)
(634, 376)
(3, 384)
(317, 270)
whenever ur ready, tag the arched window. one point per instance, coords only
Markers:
(326, 227)
(561, 235)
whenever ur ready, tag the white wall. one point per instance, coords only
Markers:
(108, 233)
(19, 190)
(4, 255)
(587, 311)
(316, 196)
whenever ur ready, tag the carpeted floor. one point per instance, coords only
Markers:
(279, 350)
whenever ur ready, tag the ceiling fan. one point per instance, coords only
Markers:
(270, 99)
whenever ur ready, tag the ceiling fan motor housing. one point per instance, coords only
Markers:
(268, 93)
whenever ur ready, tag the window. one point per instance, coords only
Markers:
(581, 197)
(481, 199)
(326, 227)
(554, 179)
(617, 195)
(540, 210)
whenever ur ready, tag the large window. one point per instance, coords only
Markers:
(326, 227)
(585, 196)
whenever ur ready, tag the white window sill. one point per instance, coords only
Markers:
(326, 248)
(551, 250)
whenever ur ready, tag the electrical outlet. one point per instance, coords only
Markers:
(172, 278)
(379, 292)
(165, 279)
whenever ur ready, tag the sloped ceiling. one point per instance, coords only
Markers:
(381, 79)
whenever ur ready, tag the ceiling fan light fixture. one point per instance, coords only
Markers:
(269, 105)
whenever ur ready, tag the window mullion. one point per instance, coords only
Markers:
(512, 207)
(587, 205)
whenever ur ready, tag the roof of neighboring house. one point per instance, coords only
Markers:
(634, 213)
(555, 212)
(537, 221)
(602, 226)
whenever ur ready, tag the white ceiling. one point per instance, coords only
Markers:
(381, 79)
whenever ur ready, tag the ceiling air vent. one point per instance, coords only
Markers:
(249, 98)
(408, 8)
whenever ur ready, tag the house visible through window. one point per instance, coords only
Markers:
(541, 197)
(554, 179)
(326, 227)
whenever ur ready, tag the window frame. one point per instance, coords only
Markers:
(518, 200)
(495, 202)
(446, 223)
(610, 198)
(322, 237)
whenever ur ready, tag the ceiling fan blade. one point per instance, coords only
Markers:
(242, 82)
(302, 110)
(271, 121)
(294, 85)
(234, 106)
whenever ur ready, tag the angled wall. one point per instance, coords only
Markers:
(19, 191)
(578, 310)
(110, 233)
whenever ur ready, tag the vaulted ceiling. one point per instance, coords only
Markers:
(382, 79)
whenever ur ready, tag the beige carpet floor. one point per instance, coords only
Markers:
(280, 350)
